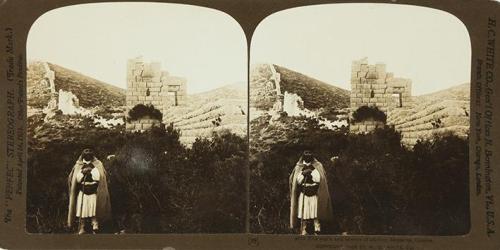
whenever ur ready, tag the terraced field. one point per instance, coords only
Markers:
(220, 109)
(436, 113)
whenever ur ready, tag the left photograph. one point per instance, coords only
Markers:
(137, 120)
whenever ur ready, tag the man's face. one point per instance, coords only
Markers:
(308, 157)
(87, 155)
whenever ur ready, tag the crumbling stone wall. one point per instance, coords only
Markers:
(265, 87)
(69, 104)
(372, 86)
(147, 84)
(49, 77)
(47, 82)
(365, 126)
(142, 124)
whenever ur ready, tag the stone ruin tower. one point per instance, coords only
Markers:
(147, 84)
(372, 86)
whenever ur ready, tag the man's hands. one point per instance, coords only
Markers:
(306, 172)
(86, 169)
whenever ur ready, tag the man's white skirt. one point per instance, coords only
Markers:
(310, 206)
(89, 205)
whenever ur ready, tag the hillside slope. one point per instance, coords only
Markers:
(445, 111)
(62, 101)
(435, 113)
(315, 94)
(89, 91)
(223, 108)
(305, 100)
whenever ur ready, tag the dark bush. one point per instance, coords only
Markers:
(156, 184)
(377, 185)
(365, 113)
(331, 114)
(47, 203)
(140, 111)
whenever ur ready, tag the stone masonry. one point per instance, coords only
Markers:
(372, 86)
(147, 84)
(265, 87)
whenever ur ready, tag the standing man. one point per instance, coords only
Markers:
(88, 192)
(309, 195)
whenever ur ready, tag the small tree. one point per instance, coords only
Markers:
(365, 113)
(140, 111)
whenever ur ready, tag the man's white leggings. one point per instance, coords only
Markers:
(317, 226)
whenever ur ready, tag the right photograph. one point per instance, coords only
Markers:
(359, 121)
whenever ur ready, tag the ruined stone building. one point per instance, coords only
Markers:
(195, 116)
(64, 101)
(147, 84)
(372, 86)
(442, 112)
(270, 95)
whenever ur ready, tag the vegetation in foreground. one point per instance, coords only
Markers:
(156, 184)
(377, 185)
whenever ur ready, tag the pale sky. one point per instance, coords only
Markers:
(205, 46)
(430, 47)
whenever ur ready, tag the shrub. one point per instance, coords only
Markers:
(365, 113)
(140, 111)
(377, 186)
(331, 114)
(47, 204)
(156, 184)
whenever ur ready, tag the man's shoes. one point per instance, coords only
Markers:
(81, 231)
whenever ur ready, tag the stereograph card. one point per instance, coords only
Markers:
(249, 124)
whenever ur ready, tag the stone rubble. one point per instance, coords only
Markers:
(68, 103)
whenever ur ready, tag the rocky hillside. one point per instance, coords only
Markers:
(52, 88)
(61, 100)
(38, 86)
(315, 94)
(445, 111)
(90, 92)
(440, 112)
(307, 104)
(223, 108)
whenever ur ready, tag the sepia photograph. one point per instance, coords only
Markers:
(137, 120)
(359, 121)
(249, 124)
